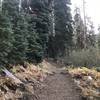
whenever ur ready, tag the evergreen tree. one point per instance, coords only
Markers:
(78, 30)
(98, 37)
(34, 52)
(20, 44)
(6, 38)
(40, 11)
(62, 41)
(18, 20)
(41, 8)
(90, 37)
(12, 8)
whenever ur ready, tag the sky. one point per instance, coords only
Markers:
(92, 9)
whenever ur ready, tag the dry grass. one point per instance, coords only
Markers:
(31, 78)
(88, 80)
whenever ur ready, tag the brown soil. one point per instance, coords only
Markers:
(59, 86)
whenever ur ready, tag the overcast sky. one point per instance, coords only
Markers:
(92, 9)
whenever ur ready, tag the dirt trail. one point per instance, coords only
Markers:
(59, 86)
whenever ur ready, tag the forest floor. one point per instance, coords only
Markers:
(49, 81)
(59, 86)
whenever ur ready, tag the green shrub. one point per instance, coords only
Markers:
(89, 57)
(98, 69)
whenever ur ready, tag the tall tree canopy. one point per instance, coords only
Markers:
(34, 29)
(80, 41)
(62, 41)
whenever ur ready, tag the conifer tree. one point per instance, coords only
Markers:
(78, 30)
(39, 11)
(19, 26)
(34, 52)
(62, 41)
(20, 43)
(6, 38)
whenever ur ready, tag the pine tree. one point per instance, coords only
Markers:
(90, 37)
(62, 41)
(19, 26)
(20, 44)
(78, 30)
(6, 38)
(39, 10)
(34, 52)
(11, 7)
(98, 37)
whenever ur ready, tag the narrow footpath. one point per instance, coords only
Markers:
(59, 86)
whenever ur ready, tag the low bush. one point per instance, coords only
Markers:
(89, 57)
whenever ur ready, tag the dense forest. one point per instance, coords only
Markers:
(32, 30)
